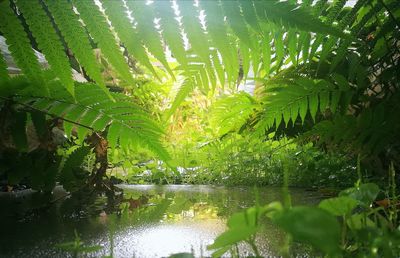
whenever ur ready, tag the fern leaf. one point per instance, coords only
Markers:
(218, 68)
(305, 47)
(204, 79)
(18, 131)
(71, 174)
(99, 30)
(195, 33)
(266, 53)
(332, 14)
(94, 111)
(19, 45)
(171, 30)
(231, 112)
(250, 15)
(48, 41)
(296, 99)
(292, 46)
(76, 38)
(294, 16)
(245, 58)
(117, 13)
(236, 22)
(3, 69)
(279, 48)
(144, 16)
(256, 56)
(184, 90)
(217, 30)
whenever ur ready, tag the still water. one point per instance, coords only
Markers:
(147, 221)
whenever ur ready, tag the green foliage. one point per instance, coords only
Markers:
(77, 247)
(3, 69)
(311, 225)
(231, 112)
(19, 44)
(184, 90)
(48, 41)
(128, 36)
(296, 98)
(72, 176)
(147, 32)
(339, 206)
(368, 231)
(76, 38)
(92, 111)
(98, 28)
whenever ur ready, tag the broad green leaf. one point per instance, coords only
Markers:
(311, 225)
(338, 206)
(232, 236)
(365, 193)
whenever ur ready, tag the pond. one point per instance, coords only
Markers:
(148, 221)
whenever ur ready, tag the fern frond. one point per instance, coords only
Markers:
(99, 30)
(76, 38)
(71, 174)
(92, 110)
(236, 22)
(197, 38)
(144, 16)
(218, 32)
(3, 69)
(250, 15)
(296, 99)
(231, 113)
(118, 15)
(19, 45)
(184, 90)
(171, 30)
(48, 41)
(294, 16)
(218, 68)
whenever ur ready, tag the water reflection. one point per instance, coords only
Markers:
(148, 221)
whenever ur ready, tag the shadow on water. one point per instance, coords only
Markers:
(147, 221)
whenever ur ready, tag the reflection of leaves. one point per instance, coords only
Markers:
(365, 193)
(242, 226)
(180, 204)
(77, 246)
(311, 225)
(338, 206)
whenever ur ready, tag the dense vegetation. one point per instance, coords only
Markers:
(165, 98)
